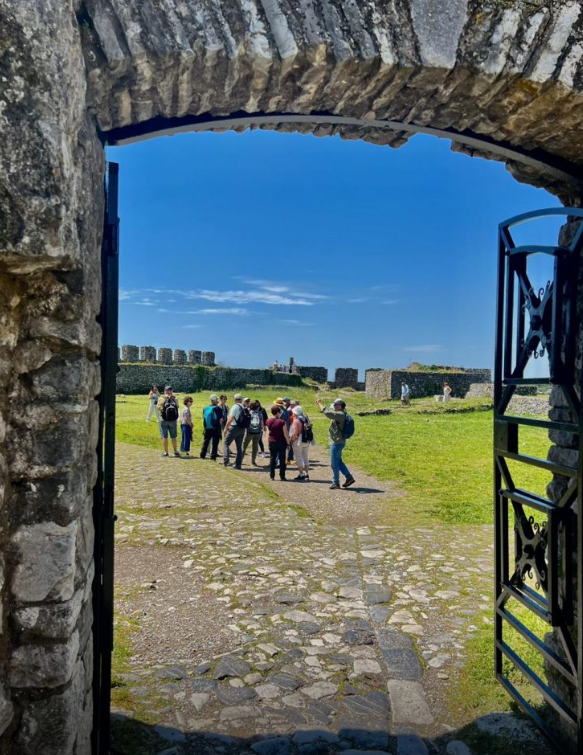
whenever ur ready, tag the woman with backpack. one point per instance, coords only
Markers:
(299, 432)
(254, 431)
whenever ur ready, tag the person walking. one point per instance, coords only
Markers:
(337, 413)
(224, 407)
(278, 442)
(300, 444)
(254, 431)
(186, 425)
(168, 409)
(153, 398)
(447, 391)
(234, 431)
(212, 418)
(405, 394)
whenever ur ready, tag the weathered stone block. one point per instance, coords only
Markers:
(6, 711)
(208, 358)
(165, 356)
(147, 354)
(58, 498)
(54, 621)
(194, 357)
(130, 353)
(46, 562)
(44, 666)
(66, 378)
(346, 377)
(50, 726)
(179, 356)
(31, 356)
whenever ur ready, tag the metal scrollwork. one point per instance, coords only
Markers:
(531, 548)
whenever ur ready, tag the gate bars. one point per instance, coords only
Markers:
(103, 497)
(545, 575)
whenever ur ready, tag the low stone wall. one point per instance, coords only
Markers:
(486, 390)
(139, 378)
(346, 377)
(319, 374)
(387, 383)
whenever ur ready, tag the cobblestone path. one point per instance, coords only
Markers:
(248, 625)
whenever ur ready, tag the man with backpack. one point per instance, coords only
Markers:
(212, 417)
(254, 431)
(341, 428)
(168, 410)
(238, 422)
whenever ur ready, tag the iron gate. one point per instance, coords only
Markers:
(543, 575)
(103, 501)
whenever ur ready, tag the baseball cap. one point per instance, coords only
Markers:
(237, 397)
(214, 397)
(286, 398)
(168, 388)
(246, 398)
(338, 401)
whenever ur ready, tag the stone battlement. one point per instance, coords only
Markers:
(128, 354)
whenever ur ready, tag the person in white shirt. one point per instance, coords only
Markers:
(405, 394)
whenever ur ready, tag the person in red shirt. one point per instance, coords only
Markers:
(278, 442)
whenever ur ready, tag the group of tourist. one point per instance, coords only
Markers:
(289, 432)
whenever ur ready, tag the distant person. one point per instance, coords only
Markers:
(275, 366)
(212, 418)
(224, 407)
(254, 431)
(261, 444)
(186, 426)
(153, 398)
(246, 403)
(338, 433)
(300, 443)
(168, 410)
(234, 431)
(447, 391)
(289, 405)
(278, 442)
(405, 394)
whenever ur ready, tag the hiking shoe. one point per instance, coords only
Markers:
(177, 455)
(334, 486)
(299, 477)
(163, 454)
(350, 481)
(272, 477)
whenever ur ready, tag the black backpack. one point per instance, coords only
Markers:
(170, 409)
(244, 419)
(307, 430)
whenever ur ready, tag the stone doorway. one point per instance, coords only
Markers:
(487, 75)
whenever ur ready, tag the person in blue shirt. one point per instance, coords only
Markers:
(212, 418)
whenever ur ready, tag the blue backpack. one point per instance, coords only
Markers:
(210, 418)
(348, 429)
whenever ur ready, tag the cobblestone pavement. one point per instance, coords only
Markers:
(253, 627)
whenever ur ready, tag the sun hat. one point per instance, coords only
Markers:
(214, 397)
(238, 397)
(278, 402)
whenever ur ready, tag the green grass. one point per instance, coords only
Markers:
(440, 456)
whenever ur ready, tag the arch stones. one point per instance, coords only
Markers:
(75, 72)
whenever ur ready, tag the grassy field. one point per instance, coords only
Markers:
(441, 456)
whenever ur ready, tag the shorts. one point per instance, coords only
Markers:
(168, 427)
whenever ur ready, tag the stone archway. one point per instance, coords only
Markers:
(488, 72)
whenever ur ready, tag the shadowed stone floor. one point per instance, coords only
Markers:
(247, 623)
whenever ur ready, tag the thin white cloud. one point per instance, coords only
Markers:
(274, 295)
(359, 300)
(426, 348)
(192, 326)
(146, 303)
(390, 301)
(296, 322)
(239, 311)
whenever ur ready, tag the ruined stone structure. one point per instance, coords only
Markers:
(346, 377)
(179, 356)
(387, 383)
(208, 358)
(147, 354)
(319, 374)
(194, 357)
(130, 353)
(491, 75)
(165, 356)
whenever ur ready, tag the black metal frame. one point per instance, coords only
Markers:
(103, 496)
(543, 553)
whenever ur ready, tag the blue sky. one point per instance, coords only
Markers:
(262, 246)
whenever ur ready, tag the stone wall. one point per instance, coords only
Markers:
(387, 383)
(147, 354)
(486, 390)
(139, 378)
(346, 377)
(130, 353)
(319, 374)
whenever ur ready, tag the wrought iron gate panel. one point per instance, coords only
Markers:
(548, 535)
(103, 501)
